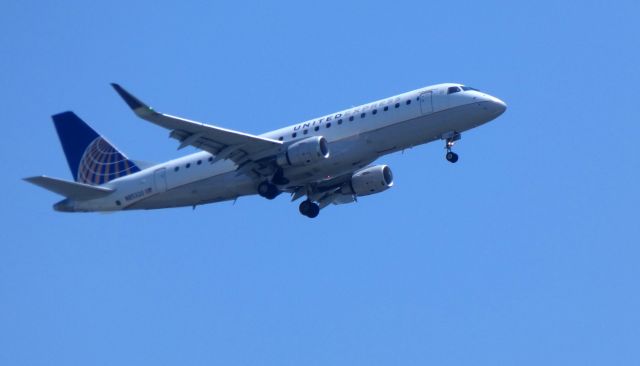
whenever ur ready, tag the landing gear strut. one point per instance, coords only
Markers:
(309, 209)
(268, 190)
(279, 178)
(451, 139)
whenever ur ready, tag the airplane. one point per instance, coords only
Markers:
(327, 160)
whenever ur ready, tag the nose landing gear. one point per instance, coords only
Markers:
(451, 138)
(451, 157)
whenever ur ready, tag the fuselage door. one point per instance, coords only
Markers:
(439, 100)
(426, 105)
(160, 180)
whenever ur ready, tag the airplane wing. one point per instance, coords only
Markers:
(241, 148)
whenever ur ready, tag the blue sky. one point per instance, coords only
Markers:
(524, 252)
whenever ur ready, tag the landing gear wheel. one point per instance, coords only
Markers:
(309, 209)
(314, 212)
(451, 157)
(268, 190)
(450, 139)
(304, 207)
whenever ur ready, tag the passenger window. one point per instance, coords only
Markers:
(199, 162)
(328, 124)
(188, 165)
(316, 128)
(176, 169)
(305, 132)
(374, 111)
(351, 118)
(397, 105)
(386, 108)
(408, 101)
(280, 138)
(294, 135)
(340, 121)
(211, 157)
(362, 115)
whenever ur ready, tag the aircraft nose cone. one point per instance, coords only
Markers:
(502, 106)
(499, 106)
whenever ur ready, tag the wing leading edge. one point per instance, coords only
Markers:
(239, 147)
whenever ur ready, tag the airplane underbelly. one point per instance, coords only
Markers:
(219, 188)
(355, 152)
(405, 135)
(423, 129)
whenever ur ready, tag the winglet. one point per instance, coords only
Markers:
(133, 102)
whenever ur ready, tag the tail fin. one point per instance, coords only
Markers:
(92, 159)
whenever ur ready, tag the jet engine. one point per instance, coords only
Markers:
(305, 152)
(371, 180)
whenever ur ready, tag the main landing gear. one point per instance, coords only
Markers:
(268, 190)
(451, 139)
(309, 209)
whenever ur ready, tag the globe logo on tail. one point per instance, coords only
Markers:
(101, 163)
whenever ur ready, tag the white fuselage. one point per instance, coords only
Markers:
(356, 137)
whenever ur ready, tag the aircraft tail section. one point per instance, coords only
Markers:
(73, 190)
(91, 158)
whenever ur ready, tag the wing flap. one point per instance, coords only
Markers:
(73, 190)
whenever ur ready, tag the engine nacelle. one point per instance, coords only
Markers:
(305, 152)
(371, 180)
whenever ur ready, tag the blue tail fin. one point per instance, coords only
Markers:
(91, 158)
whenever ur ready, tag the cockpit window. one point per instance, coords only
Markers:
(453, 89)
(465, 88)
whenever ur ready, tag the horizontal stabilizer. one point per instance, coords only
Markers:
(73, 190)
